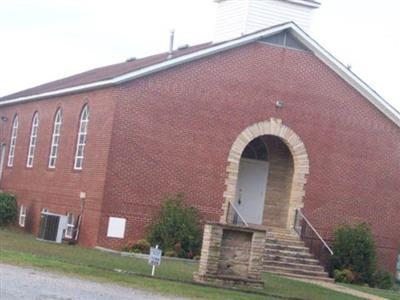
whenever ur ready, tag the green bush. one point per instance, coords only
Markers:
(383, 280)
(141, 246)
(8, 209)
(177, 228)
(344, 276)
(354, 250)
(170, 253)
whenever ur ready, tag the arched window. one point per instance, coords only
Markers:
(55, 139)
(33, 140)
(80, 144)
(13, 141)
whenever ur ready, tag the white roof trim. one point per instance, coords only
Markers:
(313, 4)
(305, 3)
(351, 78)
(320, 52)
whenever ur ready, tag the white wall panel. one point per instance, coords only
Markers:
(237, 17)
(231, 19)
(116, 227)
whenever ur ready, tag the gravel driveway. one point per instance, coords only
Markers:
(24, 283)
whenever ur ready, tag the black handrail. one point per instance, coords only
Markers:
(313, 240)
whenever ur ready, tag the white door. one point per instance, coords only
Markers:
(250, 191)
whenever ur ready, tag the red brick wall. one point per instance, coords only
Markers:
(59, 189)
(173, 131)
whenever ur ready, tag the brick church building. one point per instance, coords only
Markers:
(262, 118)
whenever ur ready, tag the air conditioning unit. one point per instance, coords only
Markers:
(52, 227)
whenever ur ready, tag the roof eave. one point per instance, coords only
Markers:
(151, 69)
(351, 78)
(312, 4)
(318, 51)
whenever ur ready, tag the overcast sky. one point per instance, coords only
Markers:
(44, 40)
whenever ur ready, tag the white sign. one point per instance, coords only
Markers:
(155, 256)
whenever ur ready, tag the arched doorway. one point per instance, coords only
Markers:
(267, 172)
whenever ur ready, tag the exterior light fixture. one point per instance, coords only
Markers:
(279, 104)
(82, 195)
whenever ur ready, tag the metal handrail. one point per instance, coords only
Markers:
(315, 231)
(238, 213)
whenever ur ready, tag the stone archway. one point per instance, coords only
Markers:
(273, 127)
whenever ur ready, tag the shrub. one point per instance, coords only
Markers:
(170, 253)
(141, 246)
(344, 276)
(8, 209)
(177, 228)
(383, 280)
(354, 249)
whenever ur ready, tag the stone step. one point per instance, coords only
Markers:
(288, 253)
(277, 246)
(286, 236)
(279, 229)
(291, 243)
(292, 265)
(326, 279)
(291, 259)
(290, 270)
(286, 242)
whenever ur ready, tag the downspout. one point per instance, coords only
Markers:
(2, 147)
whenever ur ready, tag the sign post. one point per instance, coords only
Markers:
(154, 258)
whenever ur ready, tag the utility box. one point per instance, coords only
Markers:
(52, 227)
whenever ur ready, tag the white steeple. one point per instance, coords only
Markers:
(238, 17)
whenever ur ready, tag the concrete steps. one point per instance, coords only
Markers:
(286, 255)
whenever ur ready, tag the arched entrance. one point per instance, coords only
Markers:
(267, 171)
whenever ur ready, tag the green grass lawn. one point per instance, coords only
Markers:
(18, 248)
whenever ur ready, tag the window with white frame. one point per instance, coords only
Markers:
(13, 141)
(33, 140)
(80, 144)
(22, 216)
(55, 140)
(69, 232)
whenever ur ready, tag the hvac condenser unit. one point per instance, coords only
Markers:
(52, 227)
